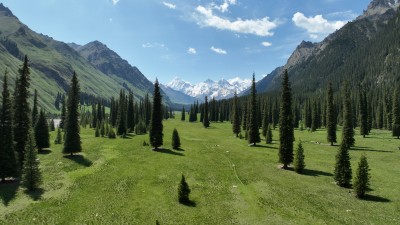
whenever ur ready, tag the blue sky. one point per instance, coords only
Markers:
(191, 39)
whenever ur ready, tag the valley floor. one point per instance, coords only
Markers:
(120, 181)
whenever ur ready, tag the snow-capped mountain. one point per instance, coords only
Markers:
(214, 89)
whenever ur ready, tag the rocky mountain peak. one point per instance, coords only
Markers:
(378, 8)
(304, 50)
(4, 11)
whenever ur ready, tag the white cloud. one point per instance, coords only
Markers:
(260, 27)
(154, 45)
(266, 43)
(224, 6)
(115, 2)
(218, 50)
(316, 25)
(169, 5)
(192, 51)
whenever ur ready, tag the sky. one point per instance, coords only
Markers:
(191, 39)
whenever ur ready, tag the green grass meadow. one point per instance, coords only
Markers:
(120, 181)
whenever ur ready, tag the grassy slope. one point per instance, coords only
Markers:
(231, 182)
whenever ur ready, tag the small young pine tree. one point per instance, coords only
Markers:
(361, 181)
(42, 136)
(176, 142)
(298, 163)
(183, 191)
(58, 137)
(268, 137)
(31, 177)
(342, 173)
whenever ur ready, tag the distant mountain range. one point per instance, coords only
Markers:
(357, 52)
(220, 89)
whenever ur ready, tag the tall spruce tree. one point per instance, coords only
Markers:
(330, 116)
(363, 113)
(396, 114)
(63, 113)
(314, 117)
(268, 136)
(156, 126)
(206, 121)
(348, 131)
(22, 117)
(31, 175)
(253, 132)
(130, 113)
(72, 143)
(362, 178)
(183, 114)
(121, 118)
(35, 110)
(235, 116)
(342, 173)
(265, 122)
(42, 136)
(286, 130)
(8, 160)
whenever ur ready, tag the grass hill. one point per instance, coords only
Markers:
(53, 62)
(120, 181)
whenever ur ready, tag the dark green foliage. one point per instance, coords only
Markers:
(315, 117)
(35, 110)
(59, 138)
(156, 126)
(97, 131)
(176, 141)
(330, 116)
(52, 126)
(130, 113)
(286, 130)
(111, 133)
(183, 115)
(22, 121)
(8, 159)
(298, 163)
(183, 191)
(268, 136)
(235, 116)
(362, 178)
(363, 113)
(102, 128)
(342, 173)
(347, 132)
(265, 122)
(140, 128)
(31, 175)
(72, 143)
(253, 131)
(396, 114)
(63, 113)
(42, 136)
(206, 121)
(121, 118)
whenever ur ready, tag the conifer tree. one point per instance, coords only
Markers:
(330, 116)
(72, 143)
(31, 175)
(121, 118)
(361, 180)
(8, 159)
(183, 191)
(35, 110)
(314, 117)
(206, 122)
(22, 120)
(265, 122)
(342, 173)
(298, 163)
(235, 116)
(183, 115)
(176, 141)
(102, 129)
(156, 126)
(396, 114)
(58, 137)
(42, 136)
(286, 130)
(52, 126)
(130, 113)
(63, 113)
(253, 132)
(347, 132)
(268, 136)
(97, 131)
(363, 113)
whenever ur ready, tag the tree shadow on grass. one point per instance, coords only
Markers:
(80, 159)
(368, 149)
(8, 191)
(316, 173)
(190, 203)
(168, 151)
(44, 151)
(180, 149)
(262, 146)
(35, 194)
(373, 198)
